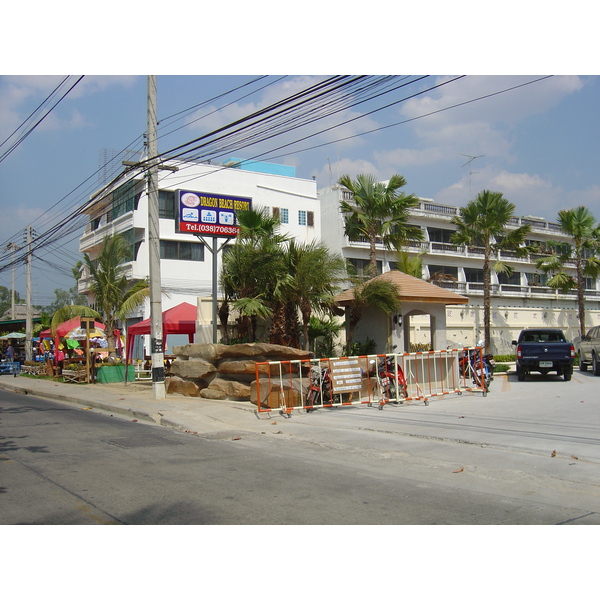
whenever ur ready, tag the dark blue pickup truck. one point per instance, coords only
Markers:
(544, 350)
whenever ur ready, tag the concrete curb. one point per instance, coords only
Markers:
(104, 406)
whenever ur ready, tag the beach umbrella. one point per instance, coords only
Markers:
(80, 334)
(13, 336)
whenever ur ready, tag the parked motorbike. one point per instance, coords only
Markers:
(479, 367)
(392, 380)
(319, 387)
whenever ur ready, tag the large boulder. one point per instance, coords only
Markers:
(220, 371)
(210, 352)
(193, 369)
(177, 385)
(216, 352)
(275, 395)
(219, 389)
(255, 350)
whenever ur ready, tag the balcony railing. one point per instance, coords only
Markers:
(522, 291)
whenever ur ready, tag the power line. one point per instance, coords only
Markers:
(302, 108)
(39, 107)
(33, 127)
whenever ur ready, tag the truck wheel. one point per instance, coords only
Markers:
(582, 365)
(595, 364)
(520, 375)
(567, 374)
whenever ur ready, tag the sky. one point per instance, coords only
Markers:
(538, 144)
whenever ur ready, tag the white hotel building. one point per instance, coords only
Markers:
(521, 300)
(186, 263)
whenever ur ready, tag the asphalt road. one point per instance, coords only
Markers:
(411, 464)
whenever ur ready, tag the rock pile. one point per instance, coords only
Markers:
(223, 372)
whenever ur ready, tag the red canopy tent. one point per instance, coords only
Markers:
(64, 329)
(68, 326)
(179, 319)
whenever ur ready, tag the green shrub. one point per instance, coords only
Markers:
(504, 358)
(501, 368)
(363, 348)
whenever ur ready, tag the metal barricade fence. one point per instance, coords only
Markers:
(374, 379)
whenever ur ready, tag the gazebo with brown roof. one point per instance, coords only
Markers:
(418, 297)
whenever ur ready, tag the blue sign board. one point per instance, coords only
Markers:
(206, 214)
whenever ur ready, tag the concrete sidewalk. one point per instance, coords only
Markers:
(136, 400)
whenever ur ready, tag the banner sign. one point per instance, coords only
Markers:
(346, 375)
(209, 214)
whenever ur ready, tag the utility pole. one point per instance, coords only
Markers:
(12, 246)
(156, 332)
(29, 317)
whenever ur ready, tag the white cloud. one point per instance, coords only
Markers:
(21, 95)
(399, 158)
(331, 172)
(506, 108)
(530, 193)
(484, 127)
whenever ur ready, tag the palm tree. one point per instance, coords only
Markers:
(484, 222)
(580, 225)
(411, 265)
(114, 294)
(312, 274)
(250, 271)
(379, 213)
(327, 329)
(378, 293)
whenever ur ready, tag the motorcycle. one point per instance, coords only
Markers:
(479, 366)
(319, 387)
(392, 380)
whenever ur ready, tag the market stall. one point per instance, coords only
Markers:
(73, 341)
(180, 319)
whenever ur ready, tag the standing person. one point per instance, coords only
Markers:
(10, 353)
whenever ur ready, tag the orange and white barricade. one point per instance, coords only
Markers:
(378, 379)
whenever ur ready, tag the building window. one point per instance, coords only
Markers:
(361, 266)
(442, 273)
(306, 218)
(473, 275)
(513, 279)
(166, 204)
(129, 237)
(172, 250)
(125, 199)
(537, 279)
(440, 235)
(283, 214)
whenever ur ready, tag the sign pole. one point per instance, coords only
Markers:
(214, 289)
